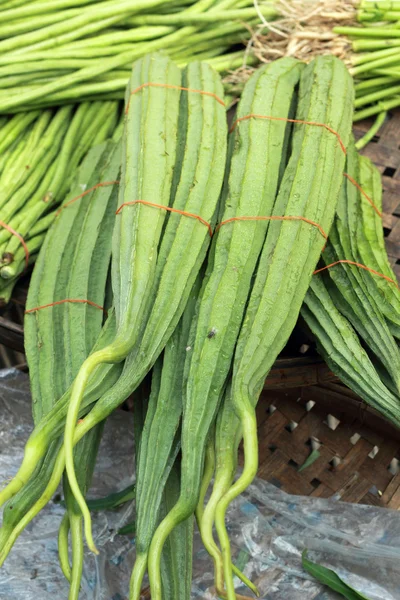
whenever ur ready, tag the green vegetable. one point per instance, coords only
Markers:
(113, 500)
(330, 579)
(181, 232)
(56, 49)
(176, 559)
(250, 190)
(37, 173)
(370, 243)
(375, 62)
(159, 439)
(310, 187)
(170, 292)
(354, 291)
(149, 148)
(228, 434)
(73, 264)
(340, 347)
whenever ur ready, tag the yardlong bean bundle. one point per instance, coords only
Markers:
(50, 52)
(375, 62)
(42, 151)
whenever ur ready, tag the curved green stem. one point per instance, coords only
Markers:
(37, 507)
(47, 495)
(373, 130)
(139, 569)
(63, 557)
(76, 398)
(173, 518)
(209, 466)
(221, 486)
(249, 424)
(77, 556)
(113, 353)
(32, 455)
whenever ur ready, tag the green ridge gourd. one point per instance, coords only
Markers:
(309, 188)
(73, 264)
(195, 189)
(371, 248)
(170, 292)
(349, 286)
(148, 158)
(255, 168)
(159, 442)
(340, 347)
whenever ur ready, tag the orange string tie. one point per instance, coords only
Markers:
(173, 87)
(270, 118)
(169, 209)
(356, 264)
(21, 239)
(70, 300)
(358, 186)
(274, 218)
(98, 185)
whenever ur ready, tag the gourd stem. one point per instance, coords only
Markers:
(47, 495)
(221, 486)
(63, 533)
(77, 556)
(205, 524)
(138, 572)
(246, 414)
(209, 466)
(32, 456)
(174, 517)
(37, 507)
(113, 353)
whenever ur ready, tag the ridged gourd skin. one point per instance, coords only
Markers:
(337, 341)
(350, 286)
(73, 263)
(370, 242)
(159, 442)
(339, 345)
(148, 158)
(196, 188)
(255, 166)
(170, 292)
(310, 188)
(177, 556)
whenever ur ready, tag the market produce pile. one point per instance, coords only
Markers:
(180, 254)
(80, 53)
(40, 152)
(67, 50)
(375, 59)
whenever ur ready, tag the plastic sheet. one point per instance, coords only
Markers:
(268, 528)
